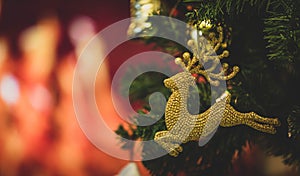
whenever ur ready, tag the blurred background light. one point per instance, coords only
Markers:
(10, 89)
(40, 42)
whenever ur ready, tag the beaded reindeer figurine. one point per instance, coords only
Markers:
(183, 126)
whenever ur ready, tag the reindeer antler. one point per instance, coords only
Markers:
(204, 53)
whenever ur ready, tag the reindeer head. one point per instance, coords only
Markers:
(180, 80)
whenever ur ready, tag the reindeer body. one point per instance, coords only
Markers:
(183, 126)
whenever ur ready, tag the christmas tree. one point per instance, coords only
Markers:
(260, 43)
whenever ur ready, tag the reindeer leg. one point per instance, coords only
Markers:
(250, 119)
(168, 142)
(267, 128)
(265, 120)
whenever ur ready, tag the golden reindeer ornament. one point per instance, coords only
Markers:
(183, 126)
